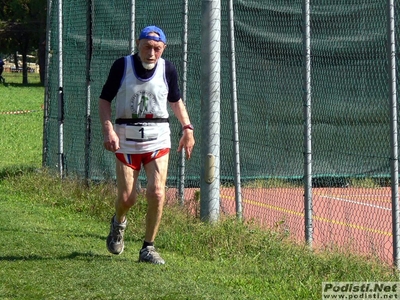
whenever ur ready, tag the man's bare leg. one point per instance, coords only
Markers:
(126, 197)
(156, 172)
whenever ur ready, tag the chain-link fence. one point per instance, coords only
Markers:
(353, 144)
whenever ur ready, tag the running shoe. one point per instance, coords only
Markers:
(115, 239)
(150, 255)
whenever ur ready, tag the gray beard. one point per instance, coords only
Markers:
(148, 66)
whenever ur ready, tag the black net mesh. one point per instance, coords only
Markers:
(350, 103)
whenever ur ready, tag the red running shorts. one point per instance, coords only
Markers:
(136, 160)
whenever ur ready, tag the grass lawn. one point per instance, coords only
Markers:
(21, 120)
(53, 238)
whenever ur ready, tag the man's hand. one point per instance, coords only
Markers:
(187, 142)
(111, 141)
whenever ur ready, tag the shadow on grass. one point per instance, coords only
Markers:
(21, 85)
(73, 256)
(15, 171)
(57, 232)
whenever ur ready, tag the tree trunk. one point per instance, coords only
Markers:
(42, 60)
(25, 47)
(16, 60)
(24, 69)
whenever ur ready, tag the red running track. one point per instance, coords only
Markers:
(351, 219)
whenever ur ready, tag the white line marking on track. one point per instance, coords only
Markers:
(356, 202)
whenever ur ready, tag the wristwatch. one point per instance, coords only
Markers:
(189, 126)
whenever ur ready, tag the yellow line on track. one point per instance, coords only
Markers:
(293, 212)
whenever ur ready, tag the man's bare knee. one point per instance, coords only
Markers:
(126, 201)
(156, 195)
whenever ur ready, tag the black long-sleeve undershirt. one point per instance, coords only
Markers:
(117, 70)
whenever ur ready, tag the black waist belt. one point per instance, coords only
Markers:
(141, 120)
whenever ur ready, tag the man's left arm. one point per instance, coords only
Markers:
(187, 140)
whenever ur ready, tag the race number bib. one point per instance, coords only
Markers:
(141, 133)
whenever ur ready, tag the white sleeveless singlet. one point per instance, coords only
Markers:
(144, 99)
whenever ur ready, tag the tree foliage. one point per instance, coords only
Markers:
(22, 28)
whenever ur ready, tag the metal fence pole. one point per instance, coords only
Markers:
(60, 91)
(210, 110)
(181, 187)
(132, 48)
(394, 167)
(132, 40)
(46, 82)
(308, 224)
(89, 49)
(235, 122)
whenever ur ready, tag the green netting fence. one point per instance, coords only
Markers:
(351, 146)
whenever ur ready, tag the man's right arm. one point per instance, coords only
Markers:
(111, 140)
(110, 89)
(113, 81)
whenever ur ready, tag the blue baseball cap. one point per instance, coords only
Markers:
(144, 34)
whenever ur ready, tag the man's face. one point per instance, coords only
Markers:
(150, 51)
